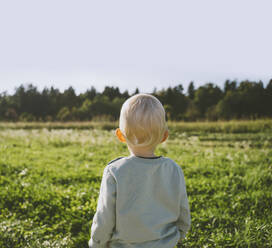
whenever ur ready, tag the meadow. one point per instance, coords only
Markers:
(50, 177)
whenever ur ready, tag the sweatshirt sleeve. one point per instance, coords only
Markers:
(104, 218)
(184, 220)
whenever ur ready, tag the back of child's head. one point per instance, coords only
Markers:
(142, 121)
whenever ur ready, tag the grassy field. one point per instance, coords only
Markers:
(50, 180)
(241, 126)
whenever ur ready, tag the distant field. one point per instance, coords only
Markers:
(50, 180)
(240, 126)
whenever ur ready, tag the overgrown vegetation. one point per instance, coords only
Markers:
(50, 181)
(213, 127)
(244, 100)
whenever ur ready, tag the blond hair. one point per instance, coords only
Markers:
(142, 121)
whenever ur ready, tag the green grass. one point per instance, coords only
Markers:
(241, 126)
(50, 180)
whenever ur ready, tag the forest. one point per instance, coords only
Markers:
(237, 100)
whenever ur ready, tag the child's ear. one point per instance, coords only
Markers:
(165, 136)
(119, 135)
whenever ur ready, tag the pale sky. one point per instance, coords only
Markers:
(143, 43)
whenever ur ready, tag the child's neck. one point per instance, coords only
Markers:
(142, 152)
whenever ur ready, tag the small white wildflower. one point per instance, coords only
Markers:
(46, 243)
(229, 157)
(23, 172)
(24, 184)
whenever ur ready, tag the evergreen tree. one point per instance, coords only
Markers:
(191, 91)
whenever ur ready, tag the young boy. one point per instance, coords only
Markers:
(143, 200)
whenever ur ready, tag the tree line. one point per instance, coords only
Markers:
(237, 100)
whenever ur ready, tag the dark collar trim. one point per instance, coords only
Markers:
(148, 157)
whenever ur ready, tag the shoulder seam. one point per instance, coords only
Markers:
(112, 161)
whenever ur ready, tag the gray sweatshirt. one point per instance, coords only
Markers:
(142, 204)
